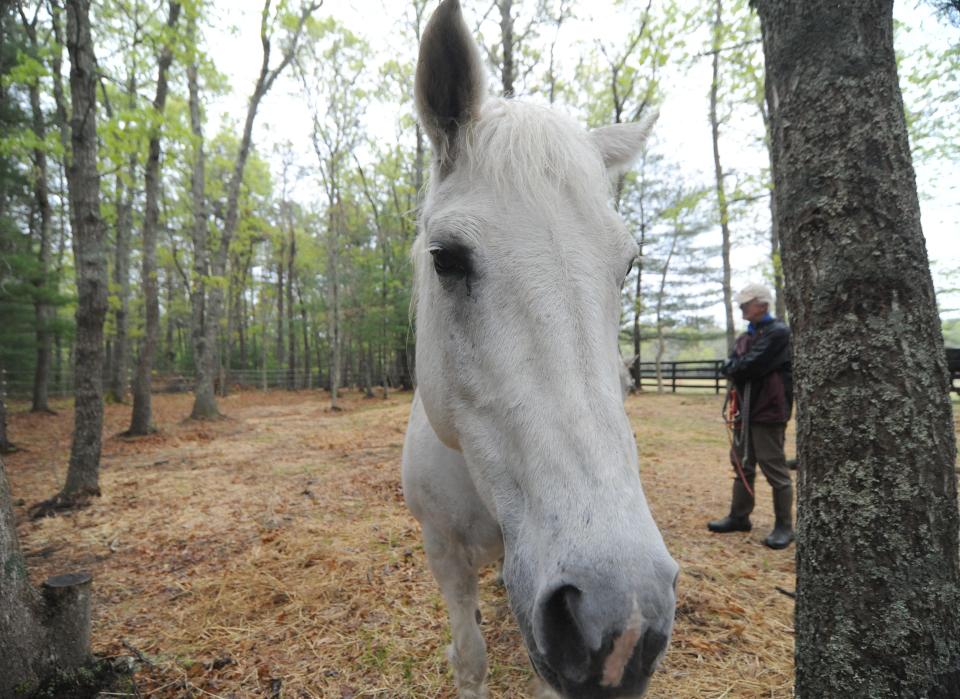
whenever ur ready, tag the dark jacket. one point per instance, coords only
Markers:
(763, 359)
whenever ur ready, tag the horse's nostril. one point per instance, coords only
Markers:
(654, 643)
(564, 644)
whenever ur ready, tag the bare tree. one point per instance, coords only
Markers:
(878, 571)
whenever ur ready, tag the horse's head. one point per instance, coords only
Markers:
(519, 265)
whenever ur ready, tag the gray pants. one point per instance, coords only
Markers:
(766, 449)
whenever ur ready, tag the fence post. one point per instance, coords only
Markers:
(673, 377)
(716, 375)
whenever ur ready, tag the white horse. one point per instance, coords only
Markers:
(518, 444)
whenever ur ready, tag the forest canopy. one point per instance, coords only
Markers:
(260, 168)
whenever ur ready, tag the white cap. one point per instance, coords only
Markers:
(754, 292)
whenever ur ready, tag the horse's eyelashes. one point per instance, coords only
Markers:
(451, 262)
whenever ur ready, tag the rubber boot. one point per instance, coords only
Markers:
(782, 533)
(741, 506)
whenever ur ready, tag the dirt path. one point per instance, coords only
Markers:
(270, 554)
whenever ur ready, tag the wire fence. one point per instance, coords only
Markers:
(701, 376)
(20, 386)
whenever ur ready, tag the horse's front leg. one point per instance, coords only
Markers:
(456, 574)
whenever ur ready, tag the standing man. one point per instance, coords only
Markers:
(760, 369)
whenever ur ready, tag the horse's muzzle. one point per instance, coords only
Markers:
(586, 649)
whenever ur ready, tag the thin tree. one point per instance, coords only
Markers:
(120, 359)
(878, 574)
(723, 209)
(42, 309)
(202, 329)
(141, 419)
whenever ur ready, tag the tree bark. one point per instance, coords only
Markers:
(43, 311)
(333, 307)
(6, 446)
(119, 367)
(308, 377)
(41, 635)
(281, 298)
(201, 330)
(141, 420)
(878, 576)
(291, 329)
(722, 205)
(507, 70)
(83, 184)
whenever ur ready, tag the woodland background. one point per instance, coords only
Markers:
(290, 257)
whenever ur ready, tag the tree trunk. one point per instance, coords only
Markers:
(722, 206)
(63, 129)
(291, 329)
(141, 420)
(775, 262)
(367, 371)
(507, 70)
(6, 446)
(43, 312)
(41, 635)
(308, 378)
(878, 576)
(119, 367)
(281, 316)
(120, 357)
(90, 260)
(333, 307)
(201, 328)
(638, 297)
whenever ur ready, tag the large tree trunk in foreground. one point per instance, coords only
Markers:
(41, 635)
(141, 420)
(83, 184)
(878, 576)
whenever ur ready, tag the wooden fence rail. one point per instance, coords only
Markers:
(678, 376)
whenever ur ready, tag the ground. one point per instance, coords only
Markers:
(270, 554)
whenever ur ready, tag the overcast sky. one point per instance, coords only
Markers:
(682, 131)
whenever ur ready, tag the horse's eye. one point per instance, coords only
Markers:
(629, 269)
(450, 262)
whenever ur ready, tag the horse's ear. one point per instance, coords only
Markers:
(450, 84)
(621, 144)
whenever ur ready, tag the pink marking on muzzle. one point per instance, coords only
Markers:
(616, 663)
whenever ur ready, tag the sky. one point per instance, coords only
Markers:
(683, 130)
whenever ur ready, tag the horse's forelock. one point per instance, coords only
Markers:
(535, 153)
